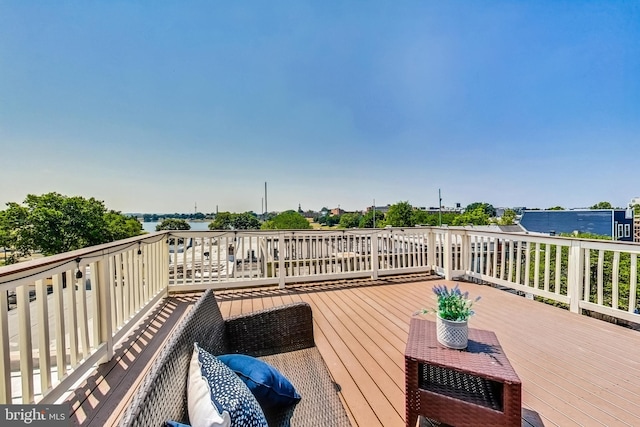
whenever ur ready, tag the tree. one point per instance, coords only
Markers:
(121, 227)
(366, 221)
(508, 217)
(400, 215)
(173, 224)
(486, 207)
(245, 221)
(287, 220)
(556, 208)
(475, 217)
(420, 217)
(53, 223)
(13, 236)
(602, 205)
(329, 220)
(350, 220)
(223, 221)
(235, 221)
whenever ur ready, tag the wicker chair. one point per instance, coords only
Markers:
(281, 336)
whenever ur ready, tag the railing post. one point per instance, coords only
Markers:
(466, 253)
(375, 260)
(104, 305)
(165, 264)
(447, 255)
(281, 265)
(431, 250)
(574, 276)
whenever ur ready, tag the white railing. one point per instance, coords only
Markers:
(596, 275)
(226, 259)
(61, 315)
(55, 326)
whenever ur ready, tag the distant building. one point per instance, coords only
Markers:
(615, 223)
(383, 209)
(336, 211)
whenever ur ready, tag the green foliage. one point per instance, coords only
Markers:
(487, 208)
(13, 222)
(508, 217)
(419, 217)
(453, 304)
(221, 222)
(636, 209)
(329, 220)
(350, 220)
(606, 293)
(400, 215)
(173, 224)
(245, 221)
(474, 217)
(602, 205)
(235, 221)
(287, 220)
(366, 221)
(121, 227)
(53, 223)
(556, 208)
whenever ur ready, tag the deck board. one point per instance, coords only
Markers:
(575, 370)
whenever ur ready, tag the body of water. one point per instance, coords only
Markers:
(195, 225)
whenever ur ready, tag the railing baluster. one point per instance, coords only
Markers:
(5, 356)
(558, 283)
(82, 312)
(511, 256)
(25, 343)
(72, 319)
(527, 265)
(536, 266)
(102, 286)
(587, 274)
(518, 262)
(615, 277)
(547, 266)
(44, 355)
(600, 276)
(503, 254)
(58, 314)
(633, 285)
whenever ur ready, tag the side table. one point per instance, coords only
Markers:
(472, 387)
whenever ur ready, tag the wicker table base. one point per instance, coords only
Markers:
(472, 387)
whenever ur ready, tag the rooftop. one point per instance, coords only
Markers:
(575, 370)
(364, 286)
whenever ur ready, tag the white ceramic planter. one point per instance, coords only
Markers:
(452, 334)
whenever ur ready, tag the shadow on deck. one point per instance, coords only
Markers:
(575, 370)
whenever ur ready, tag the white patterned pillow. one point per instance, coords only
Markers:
(217, 397)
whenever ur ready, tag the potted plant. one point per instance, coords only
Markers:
(453, 313)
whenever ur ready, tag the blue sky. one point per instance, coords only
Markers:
(156, 106)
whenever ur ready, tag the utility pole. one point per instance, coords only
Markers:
(439, 208)
(374, 213)
(266, 209)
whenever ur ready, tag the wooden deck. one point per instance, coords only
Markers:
(575, 370)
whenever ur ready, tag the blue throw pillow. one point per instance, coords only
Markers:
(267, 384)
(216, 396)
(172, 423)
